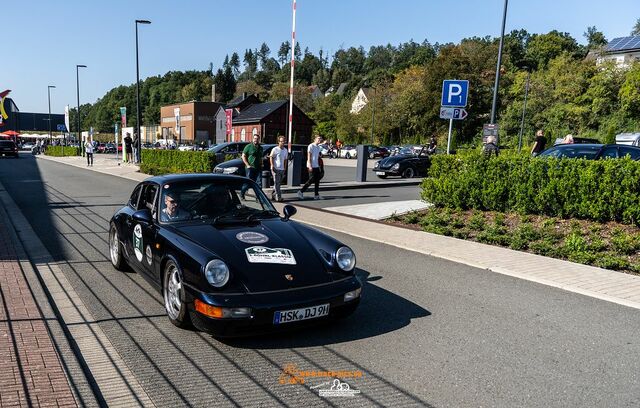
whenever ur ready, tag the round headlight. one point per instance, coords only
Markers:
(217, 273)
(396, 166)
(345, 258)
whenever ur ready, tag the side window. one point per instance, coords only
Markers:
(133, 201)
(634, 153)
(610, 152)
(148, 197)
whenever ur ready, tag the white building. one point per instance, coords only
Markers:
(623, 50)
(361, 100)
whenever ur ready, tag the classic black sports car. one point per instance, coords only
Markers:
(231, 266)
(407, 163)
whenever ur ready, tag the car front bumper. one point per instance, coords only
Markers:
(387, 172)
(264, 306)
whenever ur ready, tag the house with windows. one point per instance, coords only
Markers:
(361, 100)
(192, 122)
(623, 50)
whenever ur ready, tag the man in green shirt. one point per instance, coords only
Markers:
(252, 158)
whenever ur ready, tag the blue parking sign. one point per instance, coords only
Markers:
(454, 93)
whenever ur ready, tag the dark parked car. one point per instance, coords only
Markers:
(407, 163)
(577, 140)
(101, 148)
(378, 152)
(8, 148)
(228, 266)
(236, 166)
(231, 148)
(592, 151)
(110, 148)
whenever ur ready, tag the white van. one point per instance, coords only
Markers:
(629, 139)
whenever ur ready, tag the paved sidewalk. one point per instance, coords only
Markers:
(31, 371)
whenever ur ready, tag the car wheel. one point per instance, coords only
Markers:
(382, 177)
(409, 172)
(174, 298)
(347, 156)
(115, 253)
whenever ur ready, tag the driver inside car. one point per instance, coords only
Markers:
(172, 210)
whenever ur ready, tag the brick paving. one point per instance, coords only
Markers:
(31, 373)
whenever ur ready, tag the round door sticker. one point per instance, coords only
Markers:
(149, 255)
(137, 241)
(250, 237)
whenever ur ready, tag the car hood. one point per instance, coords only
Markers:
(310, 268)
(231, 163)
(391, 160)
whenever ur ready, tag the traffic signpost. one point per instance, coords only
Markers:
(455, 93)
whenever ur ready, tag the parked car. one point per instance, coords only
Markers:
(8, 148)
(229, 266)
(348, 152)
(27, 146)
(405, 164)
(236, 166)
(592, 151)
(100, 148)
(377, 152)
(110, 148)
(631, 139)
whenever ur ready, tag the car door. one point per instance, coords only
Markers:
(423, 161)
(127, 222)
(609, 152)
(145, 234)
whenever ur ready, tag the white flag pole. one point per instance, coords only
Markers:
(293, 48)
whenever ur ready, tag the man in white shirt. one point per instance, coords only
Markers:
(315, 170)
(278, 159)
(88, 148)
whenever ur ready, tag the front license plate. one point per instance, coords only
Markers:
(296, 315)
(380, 173)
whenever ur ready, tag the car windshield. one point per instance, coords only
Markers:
(406, 150)
(573, 151)
(6, 143)
(217, 200)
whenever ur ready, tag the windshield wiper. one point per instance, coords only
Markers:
(272, 213)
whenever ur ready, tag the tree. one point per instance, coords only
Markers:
(263, 54)
(250, 63)
(235, 63)
(283, 53)
(297, 53)
(542, 48)
(225, 84)
(594, 37)
(636, 28)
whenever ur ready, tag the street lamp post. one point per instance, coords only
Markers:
(497, 84)
(524, 109)
(138, 144)
(49, 99)
(78, 111)
(373, 114)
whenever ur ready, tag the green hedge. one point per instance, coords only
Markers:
(601, 190)
(59, 151)
(157, 162)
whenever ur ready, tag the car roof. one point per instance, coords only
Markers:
(173, 178)
(574, 145)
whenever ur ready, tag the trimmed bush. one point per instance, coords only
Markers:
(602, 190)
(157, 162)
(59, 151)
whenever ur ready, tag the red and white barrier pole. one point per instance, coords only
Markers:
(293, 63)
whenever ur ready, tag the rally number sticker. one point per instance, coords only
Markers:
(137, 242)
(260, 254)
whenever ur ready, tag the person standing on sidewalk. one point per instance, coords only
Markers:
(128, 147)
(315, 170)
(278, 159)
(88, 149)
(134, 146)
(252, 158)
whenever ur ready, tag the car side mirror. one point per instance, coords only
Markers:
(289, 211)
(142, 216)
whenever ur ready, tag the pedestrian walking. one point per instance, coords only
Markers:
(539, 144)
(278, 159)
(88, 149)
(252, 158)
(315, 169)
(128, 142)
(338, 147)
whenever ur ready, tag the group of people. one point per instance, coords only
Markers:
(278, 160)
(130, 149)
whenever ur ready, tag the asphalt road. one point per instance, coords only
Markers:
(429, 332)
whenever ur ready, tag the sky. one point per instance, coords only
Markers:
(43, 40)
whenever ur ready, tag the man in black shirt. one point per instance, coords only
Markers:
(539, 144)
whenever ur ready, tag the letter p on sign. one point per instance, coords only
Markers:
(455, 93)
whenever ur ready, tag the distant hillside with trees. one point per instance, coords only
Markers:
(569, 93)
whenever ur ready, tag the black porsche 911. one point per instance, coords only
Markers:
(225, 260)
(408, 163)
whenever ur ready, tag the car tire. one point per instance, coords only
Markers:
(409, 172)
(174, 296)
(382, 177)
(115, 250)
(347, 155)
